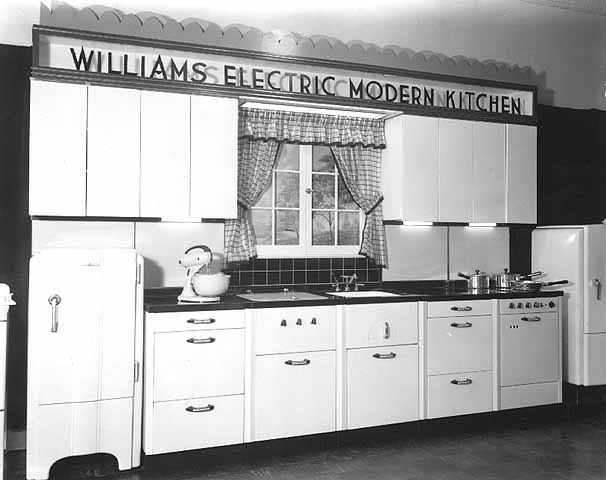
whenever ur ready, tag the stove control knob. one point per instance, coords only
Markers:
(520, 305)
(537, 304)
(512, 305)
(528, 305)
(551, 304)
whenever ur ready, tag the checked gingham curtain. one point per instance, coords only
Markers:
(355, 143)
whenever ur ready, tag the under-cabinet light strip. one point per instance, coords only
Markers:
(483, 224)
(412, 223)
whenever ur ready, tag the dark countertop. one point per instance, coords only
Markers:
(165, 299)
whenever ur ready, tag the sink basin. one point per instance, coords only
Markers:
(369, 293)
(280, 296)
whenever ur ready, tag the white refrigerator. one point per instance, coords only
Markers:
(85, 342)
(578, 254)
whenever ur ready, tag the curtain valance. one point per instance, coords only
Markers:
(311, 128)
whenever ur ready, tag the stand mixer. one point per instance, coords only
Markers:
(195, 259)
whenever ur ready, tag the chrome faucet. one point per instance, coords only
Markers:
(350, 280)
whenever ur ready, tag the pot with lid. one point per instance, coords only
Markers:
(506, 280)
(477, 281)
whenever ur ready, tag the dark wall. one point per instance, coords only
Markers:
(15, 243)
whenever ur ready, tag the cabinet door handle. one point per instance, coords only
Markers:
(385, 356)
(387, 333)
(207, 408)
(531, 319)
(198, 341)
(598, 288)
(295, 363)
(54, 301)
(467, 381)
(137, 372)
(461, 325)
(461, 309)
(201, 321)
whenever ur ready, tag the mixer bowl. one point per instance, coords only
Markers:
(213, 285)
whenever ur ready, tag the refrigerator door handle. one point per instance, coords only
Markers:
(598, 288)
(54, 300)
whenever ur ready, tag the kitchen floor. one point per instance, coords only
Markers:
(518, 448)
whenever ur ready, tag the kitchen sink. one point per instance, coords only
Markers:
(363, 294)
(290, 296)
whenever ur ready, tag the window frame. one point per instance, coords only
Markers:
(306, 248)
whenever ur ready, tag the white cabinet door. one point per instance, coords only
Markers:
(521, 174)
(57, 149)
(113, 152)
(595, 269)
(410, 169)
(459, 394)
(382, 385)
(165, 143)
(294, 394)
(214, 157)
(455, 171)
(488, 172)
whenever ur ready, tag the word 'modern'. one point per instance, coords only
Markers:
(268, 79)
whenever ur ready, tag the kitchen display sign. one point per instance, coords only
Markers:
(271, 77)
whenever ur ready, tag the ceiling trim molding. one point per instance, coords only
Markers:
(591, 7)
(201, 32)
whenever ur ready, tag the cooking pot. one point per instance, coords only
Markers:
(477, 281)
(505, 280)
(532, 286)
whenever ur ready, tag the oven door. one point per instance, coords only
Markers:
(529, 348)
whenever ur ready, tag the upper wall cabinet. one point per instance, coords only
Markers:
(521, 174)
(165, 154)
(214, 157)
(57, 152)
(410, 169)
(114, 154)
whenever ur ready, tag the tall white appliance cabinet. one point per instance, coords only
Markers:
(578, 254)
(84, 357)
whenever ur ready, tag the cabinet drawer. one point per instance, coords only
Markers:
(202, 320)
(459, 308)
(294, 394)
(460, 344)
(197, 423)
(459, 394)
(198, 364)
(382, 385)
(282, 330)
(381, 324)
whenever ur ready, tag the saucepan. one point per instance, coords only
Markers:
(505, 280)
(477, 281)
(532, 286)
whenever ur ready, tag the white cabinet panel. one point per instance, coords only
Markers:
(113, 152)
(459, 394)
(381, 324)
(410, 169)
(488, 172)
(165, 144)
(521, 174)
(198, 364)
(519, 396)
(455, 171)
(459, 308)
(57, 149)
(294, 398)
(214, 157)
(382, 386)
(595, 269)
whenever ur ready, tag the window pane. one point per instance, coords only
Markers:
(323, 228)
(265, 200)
(322, 159)
(323, 195)
(349, 228)
(261, 220)
(289, 157)
(287, 190)
(346, 202)
(287, 227)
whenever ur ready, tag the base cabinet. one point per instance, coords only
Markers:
(294, 394)
(459, 394)
(382, 385)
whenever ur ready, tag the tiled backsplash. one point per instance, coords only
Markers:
(299, 271)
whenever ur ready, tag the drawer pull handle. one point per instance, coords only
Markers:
(299, 322)
(283, 323)
(387, 333)
(201, 321)
(461, 325)
(467, 381)
(314, 321)
(198, 341)
(384, 356)
(207, 408)
(531, 319)
(295, 363)
(461, 309)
